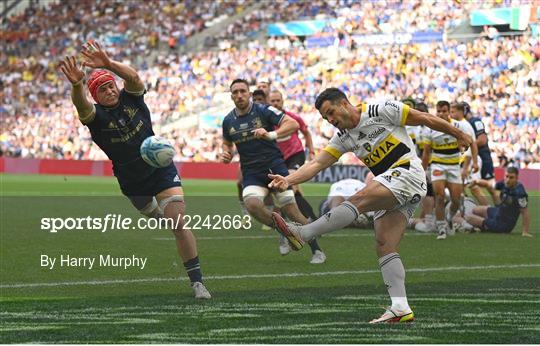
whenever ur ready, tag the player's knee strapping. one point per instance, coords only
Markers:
(254, 191)
(165, 201)
(284, 198)
(152, 209)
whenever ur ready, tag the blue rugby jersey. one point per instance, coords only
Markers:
(119, 132)
(256, 155)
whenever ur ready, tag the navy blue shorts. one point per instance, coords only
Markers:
(140, 193)
(487, 171)
(296, 160)
(260, 178)
(493, 224)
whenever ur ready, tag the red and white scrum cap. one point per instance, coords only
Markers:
(98, 78)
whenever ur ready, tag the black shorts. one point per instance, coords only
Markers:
(140, 193)
(260, 177)
(296, 160)
(493, 224)
(487, 171)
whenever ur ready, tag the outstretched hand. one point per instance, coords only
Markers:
(95, 56)
(278, 182)
(71, 70)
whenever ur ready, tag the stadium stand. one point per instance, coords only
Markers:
(498, 77)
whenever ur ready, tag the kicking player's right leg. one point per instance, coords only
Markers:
(374, 196)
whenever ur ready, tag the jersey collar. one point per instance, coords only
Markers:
(236, 115)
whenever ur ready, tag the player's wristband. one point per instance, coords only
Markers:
(272, 135)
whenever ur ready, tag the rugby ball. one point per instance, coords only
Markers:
(157, 151)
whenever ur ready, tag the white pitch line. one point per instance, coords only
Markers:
(343, 235)
(260, 276)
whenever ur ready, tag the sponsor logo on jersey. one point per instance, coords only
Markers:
(243, 126)
(522, 202)
(361, 135)
(415, 199)
(392, 104)
(376, 133)
(176, 179)
(373, 122)
(379, 152)
(396, 173)
(130, 111)
(257, 123)
(367, 146)
(389, 151)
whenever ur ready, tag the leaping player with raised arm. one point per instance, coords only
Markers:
(119, 121)
(376, 134)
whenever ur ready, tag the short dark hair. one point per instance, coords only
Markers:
(330, 94)
(512, 169)
(259, 92)
(443, 103)
(409, 101)
(239, 80)
(421, 106)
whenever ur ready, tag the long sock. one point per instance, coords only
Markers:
(314, 245)
(393, 274)
(441, 226)
(193, 269)
(337, 218)
(304, 206)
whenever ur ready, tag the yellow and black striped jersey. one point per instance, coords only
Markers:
(417, 134)
(380, 139)
(444, 148)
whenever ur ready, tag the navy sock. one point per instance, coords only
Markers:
(314, 245)
(304, 206)
(193, 269)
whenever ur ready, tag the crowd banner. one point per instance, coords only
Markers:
(207, 170)
(297, 28)
(398, 38)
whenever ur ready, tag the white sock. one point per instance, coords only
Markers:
(393, 274)
(441, 226)
(337, 218)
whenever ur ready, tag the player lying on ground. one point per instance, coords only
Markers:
(119, 122)
(250, 127)
(511, 201)
(375, 133)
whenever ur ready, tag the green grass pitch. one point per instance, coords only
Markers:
(477, 288)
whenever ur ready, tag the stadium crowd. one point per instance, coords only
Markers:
(498, 77)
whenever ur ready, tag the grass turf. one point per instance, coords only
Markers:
(479, 288)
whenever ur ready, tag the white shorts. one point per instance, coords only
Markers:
(450, 173)
(408, 186)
